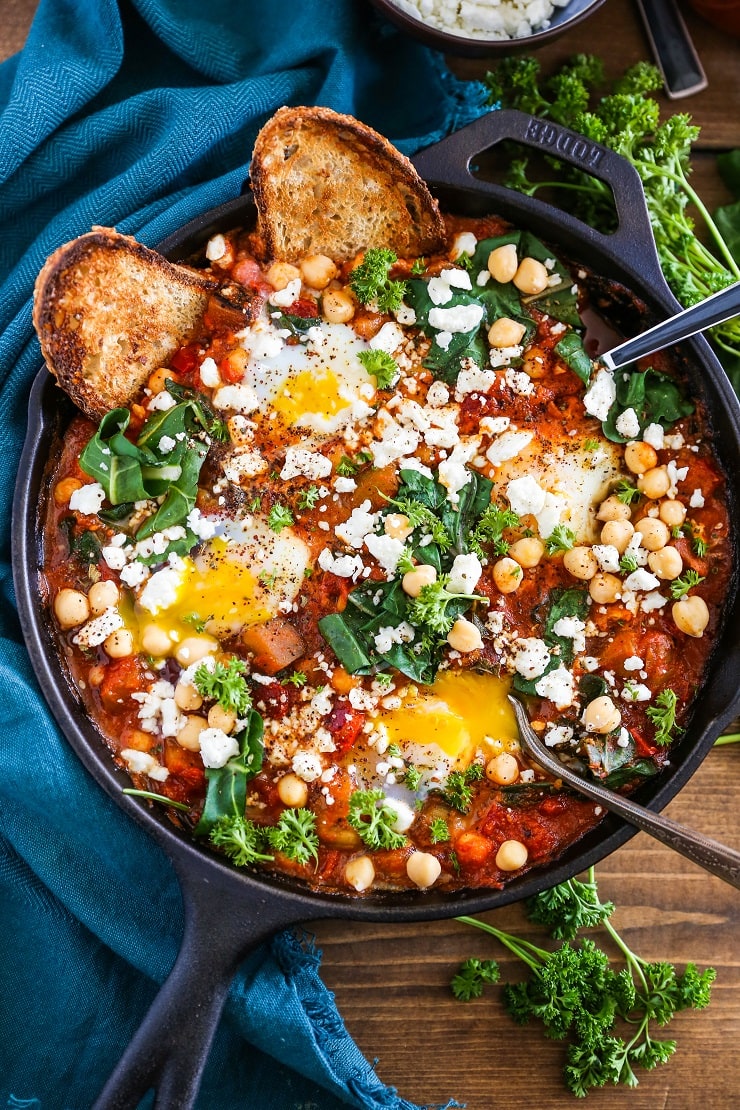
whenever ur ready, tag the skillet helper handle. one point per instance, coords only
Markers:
(448, 163)
(170, 1049)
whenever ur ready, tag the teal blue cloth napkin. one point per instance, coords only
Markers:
(141, 115)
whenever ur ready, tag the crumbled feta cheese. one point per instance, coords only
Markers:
(244, 463)
(438, 394)
(653, 435)
(161, 402)
(405, 815)
(641, 579)
(558, 734)
(531, 656)
(209, 374)
(600, 395)
(87, 499)
(636, 691)
(204, 528)
(439, 291)
(628, 424)
(115, 557)
(525, 496)
(386, 550)
(452, 471)
(571, 628)
(464, 243)
(307, 766)
(395, 442)
(473, 379)
(483, 278)
(357, 526)
(238, 398)
(697, 500)
(215, 248)
(344, 566)
(387, 636)
(443, 339)
(98, 629)
(460, 319)
(344, 485)
(216, 747)
(633, 663)
(284, 298)
(388, 339)
(517, 381)
(405, 315)
(134, 574)
(557, 686)
(465, 573)
(142, 763)
(676, 474)
(458, 279)
(653, 600)
(607, 556)
(311, 464)
(161, 590)
(494, 425)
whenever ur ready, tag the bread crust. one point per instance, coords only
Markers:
(108, 311)
(326, 183)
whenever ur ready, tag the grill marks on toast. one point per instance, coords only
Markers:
(326, 183)
(109, 311)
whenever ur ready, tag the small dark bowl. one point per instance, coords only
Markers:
(563, 19)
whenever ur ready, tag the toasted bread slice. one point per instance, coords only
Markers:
(326, 183)
(109, 311)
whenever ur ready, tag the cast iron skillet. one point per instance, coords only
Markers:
(228, 912)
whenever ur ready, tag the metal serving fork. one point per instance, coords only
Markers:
(714, 857)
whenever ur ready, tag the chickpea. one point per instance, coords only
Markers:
(528, 551)
(464, 636)
(507, 574)
(502, 769)
(511, 855)
(601, 715)
(397, 526)
(654, 532)
(189, 735)
(666, 564)
(639, 457)
(654, 483)
(691, 615)
(581, 563)
(415, 580)
(155, 641)
(119, 644)
(613, 509)
(317, 270)
(193, 648)
(672, 513)
(158, 378)
(618, 533)
(360, 873)
(292, 791)
(218, 717)
(503, 263)
(505, 332)
(281, 274)
(531, 276)
(71, 608)
(63, 490)
(102, 595)
(605, 588)
(423, 869)
(96, 674)
(187, 697)
(337, 306)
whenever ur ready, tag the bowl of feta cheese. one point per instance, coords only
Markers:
(486, 27)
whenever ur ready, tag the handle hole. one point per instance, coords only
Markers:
(523, 169)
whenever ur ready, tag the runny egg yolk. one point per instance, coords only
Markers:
(457, 713)
(314, 391)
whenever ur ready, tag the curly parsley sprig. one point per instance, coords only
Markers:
(370, 281)
(605, 1016)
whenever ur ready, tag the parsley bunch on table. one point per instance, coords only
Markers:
(627, 119)
(606, 1016)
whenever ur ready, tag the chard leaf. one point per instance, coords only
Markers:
(562, 603)
(226, 795)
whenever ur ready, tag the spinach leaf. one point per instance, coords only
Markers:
(296, 325)
(571, 350)
(655, 398)
(86, 546)
(226, 795)
(562, 603)
(559, 302)
(641, 769)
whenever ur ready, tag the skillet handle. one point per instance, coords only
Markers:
(448, 163)
(170, 1049)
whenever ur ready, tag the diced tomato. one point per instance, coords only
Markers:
(122, 678)
(472, 849)
(187, 359)
(305, 307)
(345, 725)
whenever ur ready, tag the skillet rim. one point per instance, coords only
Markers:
(403, 905)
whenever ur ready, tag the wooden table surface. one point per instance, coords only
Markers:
(391, 981)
